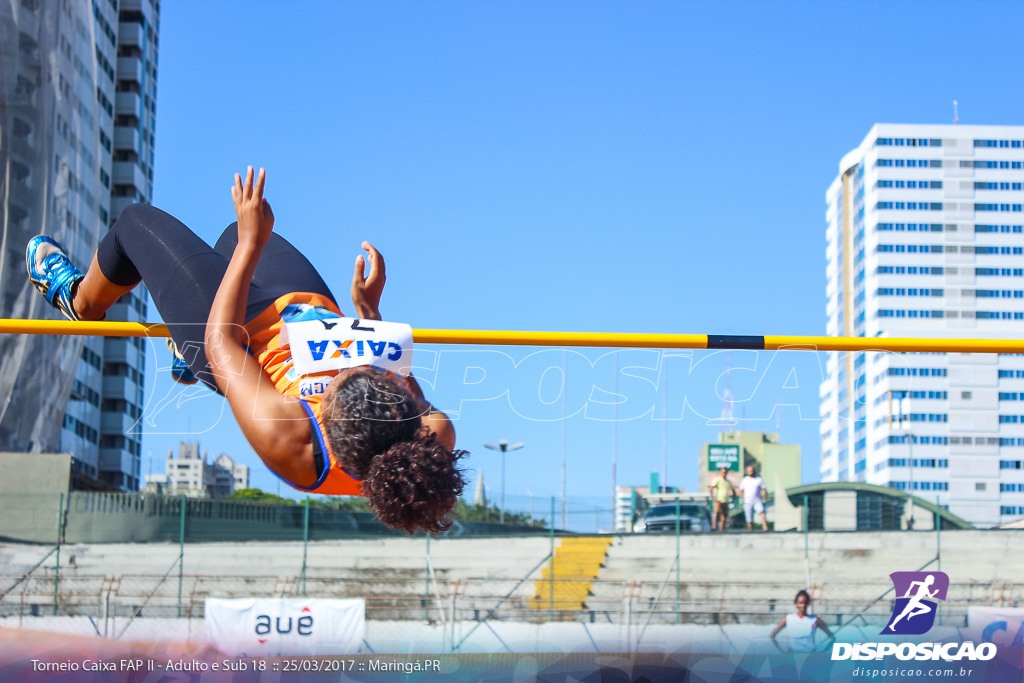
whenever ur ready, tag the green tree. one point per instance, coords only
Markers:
(343, 503)
(463, 510)
(259, 496)
(492, 513)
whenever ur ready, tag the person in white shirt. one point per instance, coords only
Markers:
(801, 627)
(754, 495)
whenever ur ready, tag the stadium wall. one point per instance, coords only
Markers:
(405, 637)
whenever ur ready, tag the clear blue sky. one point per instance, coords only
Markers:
(583, 166)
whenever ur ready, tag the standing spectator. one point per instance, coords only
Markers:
(721, 492)
(754, 495)
(801, 626)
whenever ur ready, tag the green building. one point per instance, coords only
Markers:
(760, 449)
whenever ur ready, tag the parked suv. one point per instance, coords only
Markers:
(693, 517)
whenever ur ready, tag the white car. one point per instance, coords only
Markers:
(693, 517)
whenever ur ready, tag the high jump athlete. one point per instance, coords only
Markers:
(342, 432)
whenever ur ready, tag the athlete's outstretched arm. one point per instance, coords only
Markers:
(824, 627)
(275, 426)
(782, 625)
(366, 292)
(433, 419)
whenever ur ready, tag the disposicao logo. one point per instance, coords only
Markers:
(917, 596)
(914, 612)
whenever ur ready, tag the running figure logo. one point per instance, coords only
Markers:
(917, 595)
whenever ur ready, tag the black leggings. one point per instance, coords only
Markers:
(182, 273)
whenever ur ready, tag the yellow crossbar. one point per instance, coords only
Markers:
(92, 329)
(590, 339)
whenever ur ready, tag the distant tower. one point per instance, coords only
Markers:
(727, 419)
(480, 497)
(778, 417)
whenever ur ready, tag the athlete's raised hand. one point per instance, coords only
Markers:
(366, 291)
(255, 219)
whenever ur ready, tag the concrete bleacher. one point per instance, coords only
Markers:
(567, 581)
(754, 576)
(735, 577)
(851, 556)
(463, 557)
(389, 572)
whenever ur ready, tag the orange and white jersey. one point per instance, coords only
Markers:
(268, 343)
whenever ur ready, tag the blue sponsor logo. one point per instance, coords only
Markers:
(349, 348)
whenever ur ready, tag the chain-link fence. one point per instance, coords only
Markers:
(88, 517)
(139, 565)
(122, 517)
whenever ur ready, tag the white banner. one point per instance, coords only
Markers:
(271, 627)
(999, 625)
(339, 343)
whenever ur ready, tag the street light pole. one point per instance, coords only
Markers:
(664, 428)
(615, 445)
(503, 448)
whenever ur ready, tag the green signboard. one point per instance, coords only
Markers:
(722, 455)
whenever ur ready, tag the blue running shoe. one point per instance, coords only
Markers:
(180, 371)
(52, 274)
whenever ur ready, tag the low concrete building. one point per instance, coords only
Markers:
(856, 506)
(191, 475)
(155, 483)
(229, 476)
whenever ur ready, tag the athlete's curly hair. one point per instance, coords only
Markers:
(374, 429)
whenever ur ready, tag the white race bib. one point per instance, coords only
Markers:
(340, 343)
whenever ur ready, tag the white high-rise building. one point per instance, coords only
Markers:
(77, 117)
(925, 240)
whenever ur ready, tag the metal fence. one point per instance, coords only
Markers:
(144, 583)
(109, 600)
(86, 517)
